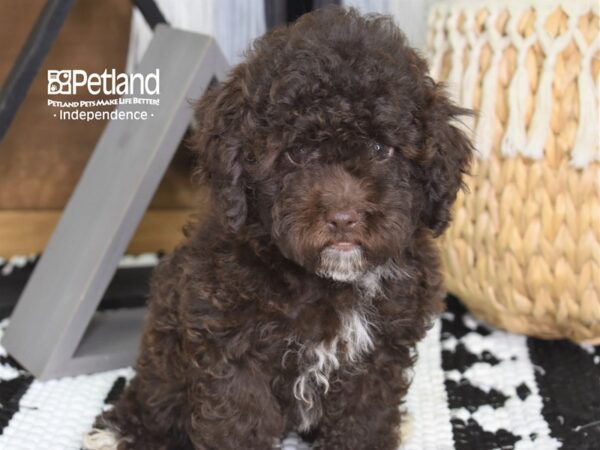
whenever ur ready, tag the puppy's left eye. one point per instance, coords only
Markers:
(297, 156)
(381, 152)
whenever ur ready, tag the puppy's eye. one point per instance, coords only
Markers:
(381, 152)
(297, 157)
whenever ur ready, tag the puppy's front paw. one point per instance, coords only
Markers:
(293, 442)
(97, 439)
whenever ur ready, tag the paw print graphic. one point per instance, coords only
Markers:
(59, 82)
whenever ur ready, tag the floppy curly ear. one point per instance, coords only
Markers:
(218, 142)
(448, 156)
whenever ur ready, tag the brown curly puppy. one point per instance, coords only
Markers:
(333, 164)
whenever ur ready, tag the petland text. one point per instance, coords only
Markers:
(67, 82)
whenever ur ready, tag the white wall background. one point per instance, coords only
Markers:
(410, 15)
(233, 23)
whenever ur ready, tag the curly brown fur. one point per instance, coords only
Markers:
(333, 164)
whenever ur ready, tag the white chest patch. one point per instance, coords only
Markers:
(318, 362)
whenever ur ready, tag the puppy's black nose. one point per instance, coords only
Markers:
(342, 220)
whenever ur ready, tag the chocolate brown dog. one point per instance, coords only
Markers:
(296, 305)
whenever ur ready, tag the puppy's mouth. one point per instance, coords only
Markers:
(344, 246)
(342, 261)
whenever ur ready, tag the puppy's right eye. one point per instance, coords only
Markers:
(381, 152)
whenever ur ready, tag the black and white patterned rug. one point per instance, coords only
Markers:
(474, 387)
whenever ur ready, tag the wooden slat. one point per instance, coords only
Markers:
(26, 232)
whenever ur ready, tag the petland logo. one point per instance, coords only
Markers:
(67, 82)
(121, 96)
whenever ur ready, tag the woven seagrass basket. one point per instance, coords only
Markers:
(523, 252)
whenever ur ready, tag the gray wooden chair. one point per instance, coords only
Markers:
(55, 329)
